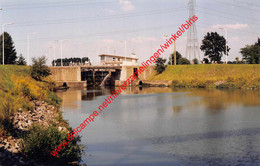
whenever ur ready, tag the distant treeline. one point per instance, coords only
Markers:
(70, 61)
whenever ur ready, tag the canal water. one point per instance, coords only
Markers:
(165, 126)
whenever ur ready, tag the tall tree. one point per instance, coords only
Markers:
(251, 53)
(9, 50)
(214, 46)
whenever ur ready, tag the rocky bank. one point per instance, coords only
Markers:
(42, 114)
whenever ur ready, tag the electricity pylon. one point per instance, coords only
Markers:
(192, 47)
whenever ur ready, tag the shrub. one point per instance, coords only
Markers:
(184, 61)
(39, 143)
(160, 67)
(39, 69)
(195, 61)
(21, 60)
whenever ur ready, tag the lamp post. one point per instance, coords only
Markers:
(61, 41)
(125, 49)
(54, 53)
(166, 36)
(28, 46)
(3, 40)
(225, 29)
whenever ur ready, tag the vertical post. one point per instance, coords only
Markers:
(61, 53)
(80, 52)
(125, 49)
(125, 53)
(174, 53)
(54, 49)
(151, 47)
(61, 50)
(226, 45)
(3, 40)
(226, 40)
(170, 55)
(28, 48)
(3, 44)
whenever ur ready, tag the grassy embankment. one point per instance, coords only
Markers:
(17, 91)
(211, 76)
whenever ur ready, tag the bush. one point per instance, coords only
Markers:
(39, 69)
(39, 143)
(184, 61)
(21, 60)
(160, 67)
(195, 61)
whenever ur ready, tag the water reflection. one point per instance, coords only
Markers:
(212, 99)
(165, 126)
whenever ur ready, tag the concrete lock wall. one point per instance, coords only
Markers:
(66, 73)
(127, 71)
(71, 75)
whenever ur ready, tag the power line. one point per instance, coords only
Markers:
(64, 21)
(101, 34)
(48, 5)
(231, 18)
(229, 14)
(126, 31)
(233, 4)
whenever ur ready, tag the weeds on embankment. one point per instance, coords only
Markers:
(17, 89)
(212, 76)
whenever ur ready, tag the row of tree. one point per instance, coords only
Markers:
(69, 61)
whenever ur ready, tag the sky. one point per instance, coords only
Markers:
(93, 27)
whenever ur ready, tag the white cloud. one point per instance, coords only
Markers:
(126, 5)
(230, 26)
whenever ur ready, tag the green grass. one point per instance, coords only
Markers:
(212, 76)
(6, 73)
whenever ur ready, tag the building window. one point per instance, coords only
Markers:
(102, 58)
(118, 59)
